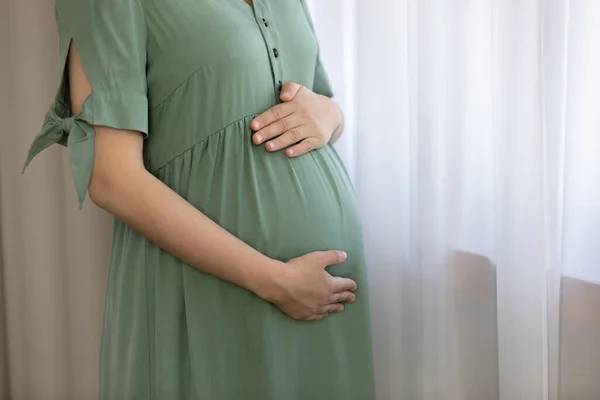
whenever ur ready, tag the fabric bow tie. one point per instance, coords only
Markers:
(78, 136)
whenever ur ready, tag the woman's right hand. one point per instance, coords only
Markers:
(306, 291)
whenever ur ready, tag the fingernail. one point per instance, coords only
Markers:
(344, 255)
(255, 125)
(257, 138)
(290, 152)
(271, 145)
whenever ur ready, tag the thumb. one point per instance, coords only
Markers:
(331, 257)
(289, 91)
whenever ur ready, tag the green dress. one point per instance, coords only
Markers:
(190, 75)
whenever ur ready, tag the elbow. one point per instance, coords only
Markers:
(99, 191)
(108, 187)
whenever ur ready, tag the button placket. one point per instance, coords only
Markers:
(265, 21)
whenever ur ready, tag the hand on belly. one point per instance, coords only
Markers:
(305, 121)
(304, 290)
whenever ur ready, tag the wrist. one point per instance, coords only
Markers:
(270, 285)
(339, 122)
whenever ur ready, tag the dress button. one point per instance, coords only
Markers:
(276, 53)
(265, 22)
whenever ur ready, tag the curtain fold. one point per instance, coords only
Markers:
(4, 362)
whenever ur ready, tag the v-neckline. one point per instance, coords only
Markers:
(244, 7)
(251, 7)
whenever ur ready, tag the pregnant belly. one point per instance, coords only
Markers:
(280, 206)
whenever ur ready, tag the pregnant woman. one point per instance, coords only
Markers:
(237, 268)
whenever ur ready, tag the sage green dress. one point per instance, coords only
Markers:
(190, 75)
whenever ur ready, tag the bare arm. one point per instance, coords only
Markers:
(121, 185)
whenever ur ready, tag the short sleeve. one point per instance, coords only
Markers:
(321, 84)
(111, 39)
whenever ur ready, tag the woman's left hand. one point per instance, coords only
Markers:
(305, 121)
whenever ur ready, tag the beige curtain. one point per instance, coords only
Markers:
(53, 258)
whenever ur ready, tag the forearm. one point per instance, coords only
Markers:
(121, 185)
(150, 207)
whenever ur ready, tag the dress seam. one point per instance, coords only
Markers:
(180, 84)
(200, 142)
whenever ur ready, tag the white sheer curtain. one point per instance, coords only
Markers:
(473, 141)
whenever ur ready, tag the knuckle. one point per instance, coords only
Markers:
(332, 255)
(331, 286)
(265, 134)
(295, 135)
(283, 125)
(275, 113)
(268, 132)
(304, 146)
(336, 257)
